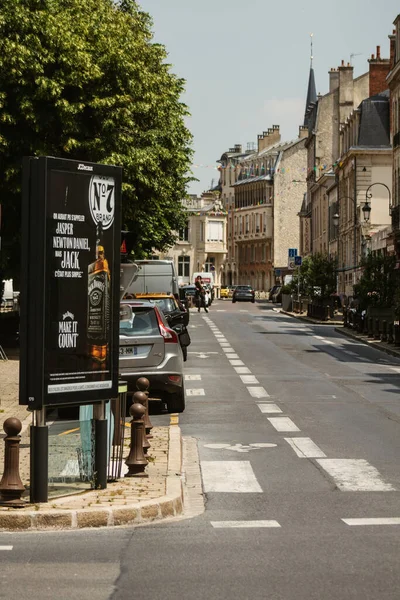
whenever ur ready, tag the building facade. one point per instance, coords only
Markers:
(393, 81)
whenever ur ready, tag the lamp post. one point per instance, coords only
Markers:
(368, 196)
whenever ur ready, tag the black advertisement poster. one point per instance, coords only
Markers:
(81, 240)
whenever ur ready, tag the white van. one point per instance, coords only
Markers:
(154, 276)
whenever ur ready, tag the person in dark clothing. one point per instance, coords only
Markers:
(200, 294)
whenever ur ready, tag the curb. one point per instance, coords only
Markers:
(372, 343)
(306, 319)
(139, 513)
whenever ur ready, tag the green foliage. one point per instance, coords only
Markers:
(316, 277)
(82, 79)
(287, 289)
(379, 284)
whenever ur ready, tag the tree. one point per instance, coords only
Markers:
(316, 277)
(82, 79)
(379, 283)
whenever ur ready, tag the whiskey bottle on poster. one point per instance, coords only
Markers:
(98, 307)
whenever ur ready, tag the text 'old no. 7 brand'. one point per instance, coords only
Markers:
(102, 200)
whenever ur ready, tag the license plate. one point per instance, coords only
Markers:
(128, 351)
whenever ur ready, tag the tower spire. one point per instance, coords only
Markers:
(311, 91)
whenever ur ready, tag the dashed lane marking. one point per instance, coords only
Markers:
(232, 356)
(373, 521)
(248, 378)
(6, 548)
(242, 370)
(229, 349)
(269, 408)
(354, 475)
(305, 448)
(192, 377)
(195, 392)
(258, 392)
(283, 424)
(244, 524)
(233, 476)
(237, 363)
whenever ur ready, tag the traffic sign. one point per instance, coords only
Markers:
(291, 264)
(298, 261)
(292, 252)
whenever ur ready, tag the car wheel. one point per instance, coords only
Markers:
(253, 301)
(176, 402)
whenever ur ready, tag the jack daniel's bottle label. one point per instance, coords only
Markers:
(98, 307)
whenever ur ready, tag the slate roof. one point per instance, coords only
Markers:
(375, 121)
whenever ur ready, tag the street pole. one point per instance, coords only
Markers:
(100, 445)
(39, 476)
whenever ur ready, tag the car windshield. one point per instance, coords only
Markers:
(167, 305)
(142, 322)
(241, 288)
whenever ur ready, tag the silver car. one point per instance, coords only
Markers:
(148, 347)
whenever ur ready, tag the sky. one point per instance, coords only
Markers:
(246, 63)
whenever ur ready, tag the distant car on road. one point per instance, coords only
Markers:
(148, 347)
(224, 292)
(243, 293)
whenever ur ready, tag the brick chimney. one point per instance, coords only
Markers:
(378, 71)
(392, 39)
(333, 79)
(268, 138)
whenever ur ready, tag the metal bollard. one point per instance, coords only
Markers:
(376, 331)
(384, 331)
(141, 398)
(390, 333)
(143, 385)
(11, 486)
(136, 461)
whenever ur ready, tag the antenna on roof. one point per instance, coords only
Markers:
(311, 56)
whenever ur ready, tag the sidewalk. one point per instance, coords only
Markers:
(390, 349)
(128, 501)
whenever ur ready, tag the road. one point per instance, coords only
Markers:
(298, 432)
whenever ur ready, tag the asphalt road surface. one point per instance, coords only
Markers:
(298, 432)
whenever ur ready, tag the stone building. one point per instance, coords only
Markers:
(201, 245)
(393, 81)
(267, 191)
(364, 175)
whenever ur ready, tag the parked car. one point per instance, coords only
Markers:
(243, 293)
(224, 292)
(148, 347)
(187, 294)
(176, 318)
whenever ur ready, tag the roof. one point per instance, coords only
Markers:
(375, 121)
(311, 98)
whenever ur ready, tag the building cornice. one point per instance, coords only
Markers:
(354, 151)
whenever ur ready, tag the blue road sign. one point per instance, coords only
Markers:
(278, 272)
(298, 261)
(292, 252)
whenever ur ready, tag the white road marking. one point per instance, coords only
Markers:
(327, 397)
(305, 448)
(373, 521)
(224, 344)
(244, 524)
(232, 356)
(248, 378)
(6, 548)
(329, 342)
(192, 377)
(237, 363)
(234, 476)
(354, 475)
(219, 335)
(319, 337)
(195, 392)
(242, 370)
(219, 310)
(269, 408)
(229, 349)
(283, 424)
(243, 310)
(240, 447)
(258, 392)
(395, 369)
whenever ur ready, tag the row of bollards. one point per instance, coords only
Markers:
(11, 486)
(140, 431)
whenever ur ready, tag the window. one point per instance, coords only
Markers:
(202, 231)
(183, 266)
(247, 224)
(184, 234)
(263, 253)
(215, 231)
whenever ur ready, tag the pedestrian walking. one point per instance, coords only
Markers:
(200, 294)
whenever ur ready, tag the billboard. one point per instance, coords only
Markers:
(71, 282)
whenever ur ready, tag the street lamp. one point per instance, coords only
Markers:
(368, 196)
(335, 219)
